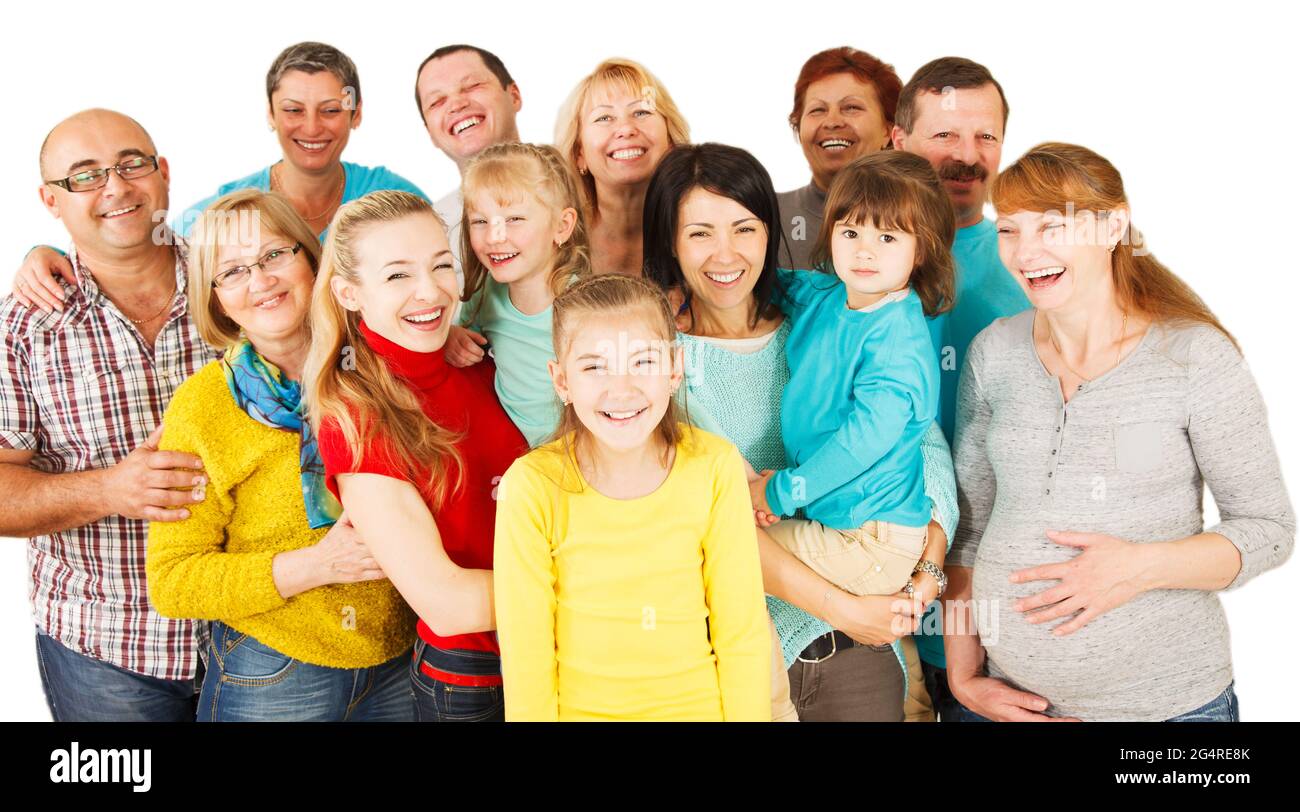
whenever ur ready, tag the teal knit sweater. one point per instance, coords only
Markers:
(738, 396)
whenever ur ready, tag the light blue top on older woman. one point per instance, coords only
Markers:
(358, 181)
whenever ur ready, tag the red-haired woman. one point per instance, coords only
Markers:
(844, 102)
(1087, 428)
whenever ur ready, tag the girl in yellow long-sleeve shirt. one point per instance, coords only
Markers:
(627, 576)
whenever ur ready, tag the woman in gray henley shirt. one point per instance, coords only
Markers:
(1086, 429)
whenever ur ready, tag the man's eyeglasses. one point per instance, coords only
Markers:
(274, 260)
(90, 179)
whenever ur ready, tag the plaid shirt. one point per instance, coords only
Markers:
(82, 389)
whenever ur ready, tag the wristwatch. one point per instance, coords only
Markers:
(927, 566)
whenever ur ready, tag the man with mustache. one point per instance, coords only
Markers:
(953, 113)
(82, 393)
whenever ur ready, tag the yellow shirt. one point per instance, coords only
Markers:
(216, 565)
(648, 608)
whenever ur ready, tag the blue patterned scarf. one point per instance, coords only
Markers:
(260, 390)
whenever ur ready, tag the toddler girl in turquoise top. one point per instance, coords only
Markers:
(864, 378)
(524, 242)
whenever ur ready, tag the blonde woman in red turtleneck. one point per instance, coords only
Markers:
(413, 447)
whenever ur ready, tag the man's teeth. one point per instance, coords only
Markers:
(502, 257)
(724, 278)
(836, 143)
(118, 212)
(627, 154)
(1045, 272)
(623, 415)
(314, 146)
(425, 318)
(465, 125)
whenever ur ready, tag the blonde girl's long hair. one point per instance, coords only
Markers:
(1066, 177)
(613, 74)
(347, 381)
(628, 298)
(508, 172)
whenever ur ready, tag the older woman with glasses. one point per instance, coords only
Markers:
(305, 624)
(313, 94)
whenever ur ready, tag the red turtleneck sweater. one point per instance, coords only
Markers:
(463, 401)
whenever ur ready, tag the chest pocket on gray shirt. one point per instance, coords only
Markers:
(1138, 447)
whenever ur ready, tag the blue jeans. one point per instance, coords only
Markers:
(251, 682)
(1223, 708)
(83, 689)
(440, 700)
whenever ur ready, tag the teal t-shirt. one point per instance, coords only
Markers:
(985, 292)
(521, 345)
(358, 181)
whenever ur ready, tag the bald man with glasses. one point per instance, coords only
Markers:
(82, 393)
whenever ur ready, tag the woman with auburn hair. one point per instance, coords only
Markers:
(844, 102)
(413, 447)
(1086, 429)
(614, 128)
(266, 555)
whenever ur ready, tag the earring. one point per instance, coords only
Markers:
(1112, 248)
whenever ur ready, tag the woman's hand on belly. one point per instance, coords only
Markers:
(1108, 572)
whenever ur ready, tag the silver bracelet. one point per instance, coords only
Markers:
(927, 566)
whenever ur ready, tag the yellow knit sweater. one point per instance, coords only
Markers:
(216, 565)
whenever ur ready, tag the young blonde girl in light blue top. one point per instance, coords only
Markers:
(523, 242)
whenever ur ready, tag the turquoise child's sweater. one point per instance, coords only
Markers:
(739, 396)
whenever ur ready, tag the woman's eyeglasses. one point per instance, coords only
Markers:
(274, 260)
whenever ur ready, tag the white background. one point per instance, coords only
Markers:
(1194, 104)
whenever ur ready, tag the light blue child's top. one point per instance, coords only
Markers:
(863, 391)
(521, 345)
(738, 396)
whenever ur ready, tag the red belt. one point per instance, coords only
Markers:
(468, 680)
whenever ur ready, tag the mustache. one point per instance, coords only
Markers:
(958, 170)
